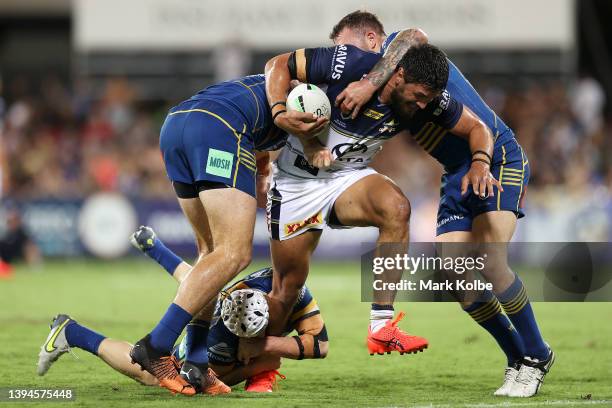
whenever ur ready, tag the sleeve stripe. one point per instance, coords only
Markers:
(306, 316)
(300, 62)
(306, 309)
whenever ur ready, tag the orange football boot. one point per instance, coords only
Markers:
(263, 382)
(213, 385)
(163, 367)
(391, 338)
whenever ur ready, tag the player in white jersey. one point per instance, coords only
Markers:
(303, 198)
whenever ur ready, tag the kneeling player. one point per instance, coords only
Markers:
(234, 359)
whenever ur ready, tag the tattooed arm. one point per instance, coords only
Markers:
(357, 94)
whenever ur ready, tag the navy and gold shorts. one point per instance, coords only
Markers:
(510, 166)
(203, 141)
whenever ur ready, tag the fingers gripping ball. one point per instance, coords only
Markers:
(309, 98)
(245, 312)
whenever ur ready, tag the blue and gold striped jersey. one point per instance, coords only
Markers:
(244, 104)
(432, 132)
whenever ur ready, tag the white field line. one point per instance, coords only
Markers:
(519, 404)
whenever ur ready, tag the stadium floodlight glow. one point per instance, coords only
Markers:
(245, 312)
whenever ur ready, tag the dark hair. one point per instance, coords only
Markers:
(425, 65)
(358, 20)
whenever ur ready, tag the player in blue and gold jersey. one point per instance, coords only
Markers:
(231, 358)
(471, 210)
(209, 145)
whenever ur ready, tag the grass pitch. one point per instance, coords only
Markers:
(462, 367)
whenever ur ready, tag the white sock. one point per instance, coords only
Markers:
(378, 318)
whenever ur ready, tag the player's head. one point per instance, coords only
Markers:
(361, 29)
(245, 312)
(420, 76)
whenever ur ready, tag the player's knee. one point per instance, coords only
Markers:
(239, 258)
(396, 211)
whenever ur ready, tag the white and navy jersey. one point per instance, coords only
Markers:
(431, 127)
(353, 143)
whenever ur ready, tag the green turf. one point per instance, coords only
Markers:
(463, 365)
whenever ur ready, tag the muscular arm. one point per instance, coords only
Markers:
(278, 82)
(480, 138)
(382, 71)
(471, 128)
(302, 125)
(312, 338)
(359, 93)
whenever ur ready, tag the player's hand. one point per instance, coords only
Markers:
(301, 124)
(355, 96)
(250, 348)
(482, 181)
(317, 154)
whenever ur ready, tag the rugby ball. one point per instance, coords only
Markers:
(309, 98)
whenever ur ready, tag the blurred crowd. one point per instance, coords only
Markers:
(63, 142)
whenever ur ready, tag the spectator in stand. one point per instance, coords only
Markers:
(16, 244)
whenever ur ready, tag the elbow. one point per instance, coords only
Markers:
(421, 36)
(416, 35)
(277, 62)
(270, 65)
(323, 348)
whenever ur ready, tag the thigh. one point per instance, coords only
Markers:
(297, 205)
(231, 217)
(494, 226)
(196, 215)
(371, 201)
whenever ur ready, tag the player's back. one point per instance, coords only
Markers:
(243, 104)
(462, 90)
(451, 150)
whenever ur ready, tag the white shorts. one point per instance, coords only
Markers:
(296, 205)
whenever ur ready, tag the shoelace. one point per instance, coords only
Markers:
(526, 375)
(211, 377)
(165, 367)
(397, 319)
(509, 374)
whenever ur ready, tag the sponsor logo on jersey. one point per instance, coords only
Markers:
(342, 149)
(390, 126)
(219, 163)
(371, 113)
(443, 105)
(293, 227)
(339, 61)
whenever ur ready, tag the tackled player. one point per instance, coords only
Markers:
(234, 359)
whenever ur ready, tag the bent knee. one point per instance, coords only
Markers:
(234, 260)
(395, 210)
